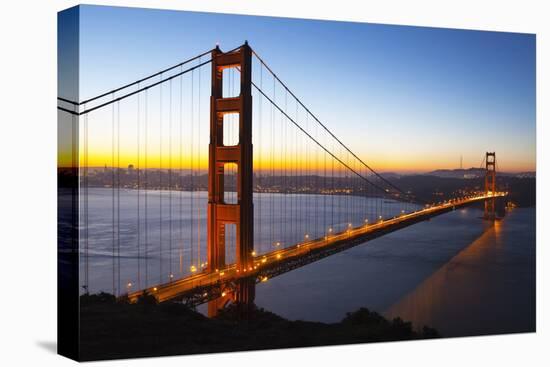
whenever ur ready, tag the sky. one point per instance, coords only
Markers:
(405, 99)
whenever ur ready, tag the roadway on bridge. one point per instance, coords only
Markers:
(205, 279)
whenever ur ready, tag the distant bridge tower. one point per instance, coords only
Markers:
(490, 185)
(240, 213)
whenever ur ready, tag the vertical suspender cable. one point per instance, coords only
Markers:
(349, 191)
(113, 192)
(272, 169)
(284, 178)
(170, 183)
(306, 170)
(181, 176)
(138, 195)
(192, 175)
(316, 186)
(199, 166)
(86, 217)
(298, 227)
(260, 162)
(146, 194)
(281, 165)
(160, 181)
(118, 195)
(325, 189)
(294, 159)
(332, 196)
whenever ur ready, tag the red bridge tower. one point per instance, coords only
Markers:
(490, 185)
(240, 213)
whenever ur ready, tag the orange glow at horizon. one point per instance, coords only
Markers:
(194, 155)
(154, 161)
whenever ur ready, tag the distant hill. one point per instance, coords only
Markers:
(390, 175)
(470, 173)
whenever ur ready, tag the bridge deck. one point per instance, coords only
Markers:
(205, 286)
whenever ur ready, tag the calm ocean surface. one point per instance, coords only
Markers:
(456, 272)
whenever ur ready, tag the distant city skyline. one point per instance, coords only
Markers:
(405, 99)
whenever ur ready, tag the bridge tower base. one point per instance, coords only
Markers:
(242, 297)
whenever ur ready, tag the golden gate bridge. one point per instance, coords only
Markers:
(283, 189)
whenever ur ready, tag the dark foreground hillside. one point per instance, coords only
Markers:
(120, 330)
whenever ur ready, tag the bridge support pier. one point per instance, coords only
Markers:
(245, 294)
(242, 296)
(217, 304)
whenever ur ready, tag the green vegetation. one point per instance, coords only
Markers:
(111, 329)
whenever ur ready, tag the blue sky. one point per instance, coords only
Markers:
(405, 98)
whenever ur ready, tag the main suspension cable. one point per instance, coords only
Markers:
(316, 141)
(326, 128)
